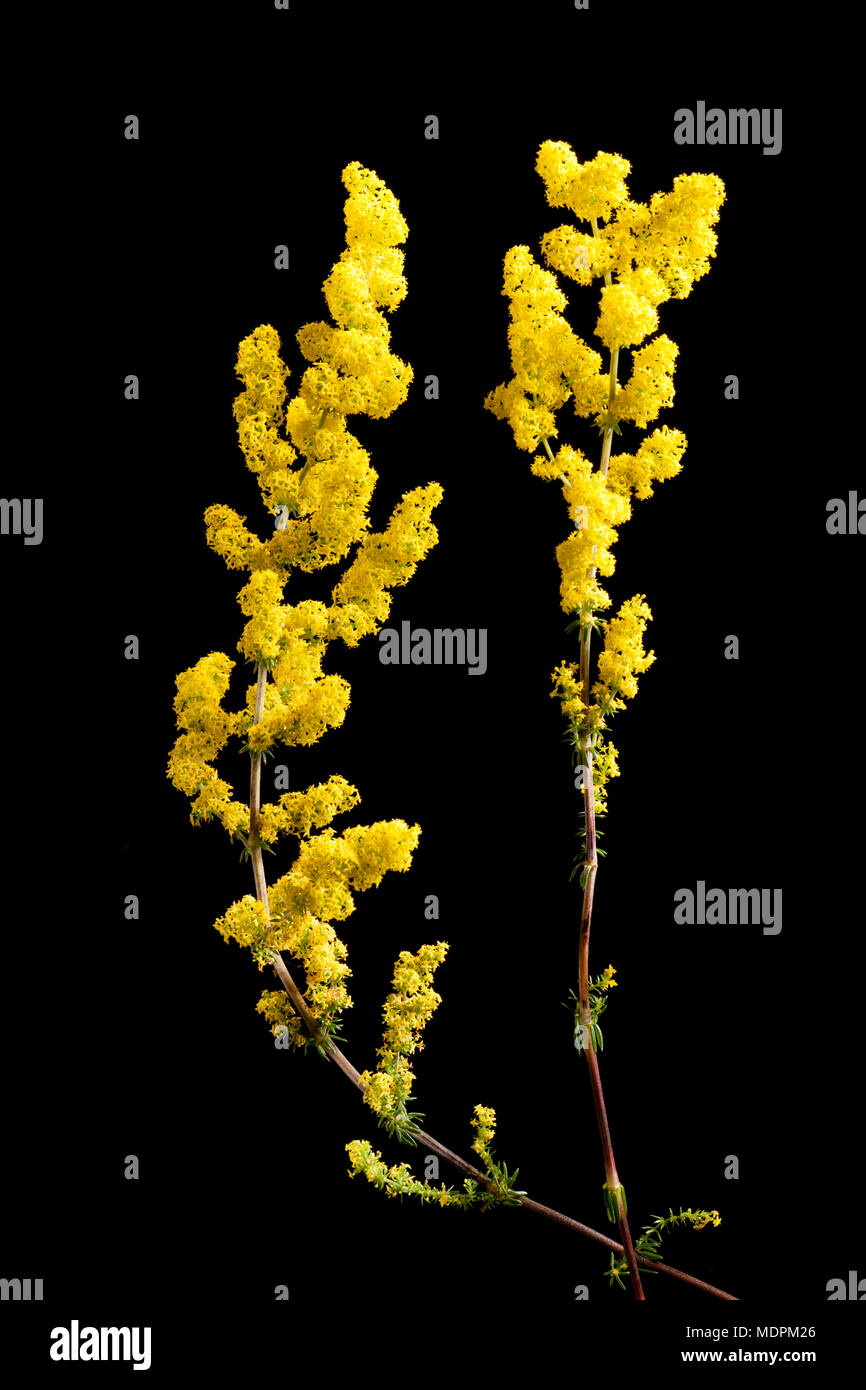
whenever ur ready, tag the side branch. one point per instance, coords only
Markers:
(333, 1053)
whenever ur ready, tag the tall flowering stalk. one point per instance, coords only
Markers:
(644, 254)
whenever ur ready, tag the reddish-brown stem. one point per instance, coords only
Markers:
(333, 1053)
(587, 1045)
(615, 1192)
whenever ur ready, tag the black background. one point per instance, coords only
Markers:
(141, 1038)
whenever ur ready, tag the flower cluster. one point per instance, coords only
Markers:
(657, 459)
(315, 478)
(596, 510)
(623, 658)
(590, 190)
(323, 505)
(247, 922)
(644, 254)
(299, 813)
(407, 1009)
(383, 561)
(319, 890)
(700, 1219)
(277, 1010)
(484, 1121)
(205, 729)
(398, 1181)
(649, 1242)
(550, 362)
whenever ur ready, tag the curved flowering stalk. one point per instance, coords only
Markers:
(648, 1243)
(319, 487)
(644, 254)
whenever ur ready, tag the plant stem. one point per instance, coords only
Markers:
(333, 1053)
(256, 794)
(590, 869)
(614, 363)
(588, 1049)
(594, 224)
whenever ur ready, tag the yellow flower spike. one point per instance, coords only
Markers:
(558, 166)
(484, 1124)
(259, 412)
(568, 690)
(398, 1181)
(647, 254)
(412, 1001)
(316, 483)
(530, 422)
(385, 560)
(657, 459)
(680, 239)
(591, 190)
(550, 362)
(353, 371)
(623, 658)
(372, 212)
(246, 922)
(298, 813)
(205, 729)
(231, 540)
(604, 767)
(650, 388)
(407, 1009)
(260, 600)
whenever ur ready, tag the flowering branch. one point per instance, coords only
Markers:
(333, 1053)
(644, 255)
